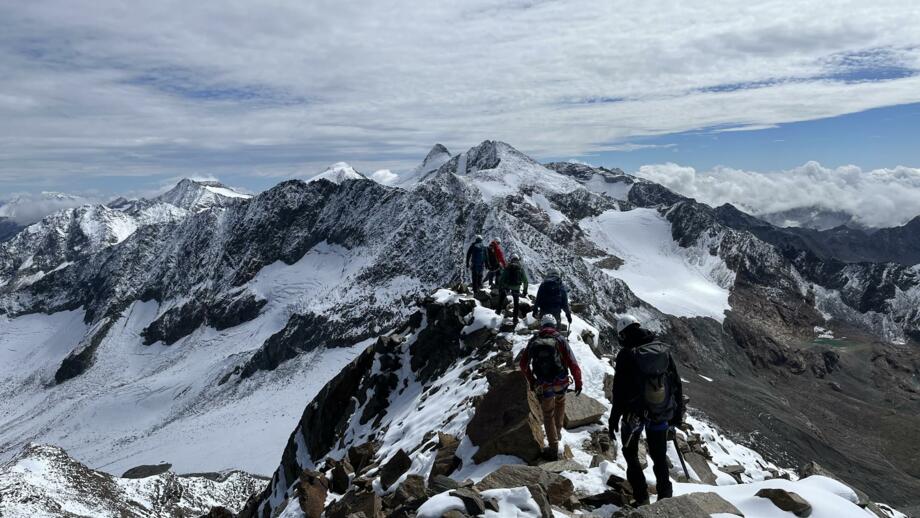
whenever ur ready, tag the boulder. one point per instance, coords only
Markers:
(582, 410)
(394, 468)
(408, 497)
(471, 499)
(340, 481)
(446, 460)
(539, 496)
(701, 466)
(787, 501)
(312, 488)
(559, 466)
(558, 488)
(367, 502)
(508, 420)
(692, 505)
(609, 497)
(735, 470)
(440, 483)
(362, 456)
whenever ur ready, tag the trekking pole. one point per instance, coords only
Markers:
(681, 457)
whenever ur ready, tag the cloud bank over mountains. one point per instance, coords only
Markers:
(876, 198)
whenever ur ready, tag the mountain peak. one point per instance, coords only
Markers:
(197, 195)
(338, 173)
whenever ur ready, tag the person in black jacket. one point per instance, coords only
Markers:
(475, 261)
(647, 395)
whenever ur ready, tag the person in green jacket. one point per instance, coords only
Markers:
(513, 279)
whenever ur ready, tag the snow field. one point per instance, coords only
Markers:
(679, 281)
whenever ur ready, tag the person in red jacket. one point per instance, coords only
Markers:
(546, 363)
(495, 262)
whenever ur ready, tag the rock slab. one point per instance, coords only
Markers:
(787, 501)
(508, 420)
(582, 410)
(558, 488)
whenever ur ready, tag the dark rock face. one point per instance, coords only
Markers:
(787, 501)
(181, 321)
(147, 470)
(81, 359)
(508, 420)
(438, 345)
(558, 488)
(394, 468)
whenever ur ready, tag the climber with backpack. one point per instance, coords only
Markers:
(475, 260)
(495, 261)
(547, 362)
(513, 279)
(552, 298)
(647, 395)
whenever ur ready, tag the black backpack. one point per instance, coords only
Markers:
(546, 359)
(515, 274)
(656, 392)
(552, 287)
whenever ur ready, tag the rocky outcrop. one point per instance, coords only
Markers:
(692, 505)
(508, 420)
(311, 493)
(558, 488)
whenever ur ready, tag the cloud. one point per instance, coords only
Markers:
(27, 208)
(384, 176)
(876, 198)
(96, 89)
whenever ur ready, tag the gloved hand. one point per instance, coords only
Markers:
(532, 382)
(568, 315)
(672, 433)
(613, 426)
(577, 390)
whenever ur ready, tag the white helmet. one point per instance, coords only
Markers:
(478, 237)
(626, 321)
(548, 321)
(515, 258)
(496, 241)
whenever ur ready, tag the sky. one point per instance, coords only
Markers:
(109, 97)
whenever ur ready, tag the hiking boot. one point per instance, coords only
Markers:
(640, 503)
(551, 453)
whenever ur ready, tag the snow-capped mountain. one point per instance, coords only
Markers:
(338, 173)
(43, 481)
(69, 235)
(214, 329)
(433, 160)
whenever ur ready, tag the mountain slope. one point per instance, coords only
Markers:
(213, 330)
(43, 481)
(422, 394)
(8, 228)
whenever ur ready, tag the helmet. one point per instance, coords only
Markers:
(626, 321)
(548, 321)
(496, 241)
(552, 272)
(515, 258)
(478, 237)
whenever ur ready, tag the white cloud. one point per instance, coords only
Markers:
(876, 198)
(27, 208)
(384, 176)
(92, 89)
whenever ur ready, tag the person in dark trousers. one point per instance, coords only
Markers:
(647, 395)
(547, 362)
(513, 280)
(495, 261)
(475, 261)
(552, 298)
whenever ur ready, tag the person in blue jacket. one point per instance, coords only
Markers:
(552, 298)
(475, 261)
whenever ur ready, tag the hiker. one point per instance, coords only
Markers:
(495, 262)
(547, 362)
(514, 280)
(552, 298)
(647, 394)
(475, 260)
